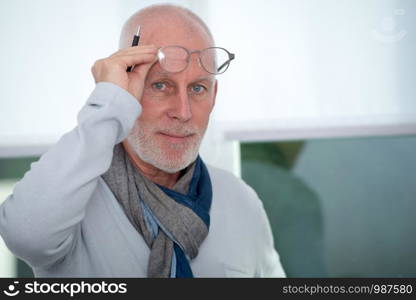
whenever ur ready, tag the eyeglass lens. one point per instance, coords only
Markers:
(175, 59)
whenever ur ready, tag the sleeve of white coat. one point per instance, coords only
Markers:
(38, 222)
(268, 264)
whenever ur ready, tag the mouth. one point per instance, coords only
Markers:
(175, 138)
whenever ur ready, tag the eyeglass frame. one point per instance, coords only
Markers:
(231, 56)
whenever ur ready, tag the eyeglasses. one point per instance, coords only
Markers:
(214, 60)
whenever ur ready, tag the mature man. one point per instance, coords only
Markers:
(125, 194)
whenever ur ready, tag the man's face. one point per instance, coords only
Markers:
(175, 109)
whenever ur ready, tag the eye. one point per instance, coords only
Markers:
(160, 86)
(198, 89)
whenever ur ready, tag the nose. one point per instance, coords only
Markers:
(180, 106)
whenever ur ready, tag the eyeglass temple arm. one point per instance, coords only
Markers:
(226, 62)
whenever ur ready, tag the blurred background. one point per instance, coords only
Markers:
(317, 113)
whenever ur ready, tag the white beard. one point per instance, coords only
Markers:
(169, 157)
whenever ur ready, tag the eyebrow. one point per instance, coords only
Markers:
(206, 78)
(201, 78)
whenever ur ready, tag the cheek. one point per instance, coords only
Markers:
(151, 110)
(154, 112)
(201, 114)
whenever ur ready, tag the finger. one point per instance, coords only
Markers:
(136, 53)
(133, 60)
(143, 69)
(136, 49)
(141, 51)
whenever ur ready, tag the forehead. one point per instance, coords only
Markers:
(174, 31)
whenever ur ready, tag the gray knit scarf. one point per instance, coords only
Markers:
(159, 219)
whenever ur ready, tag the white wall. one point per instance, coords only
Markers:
(308, 68)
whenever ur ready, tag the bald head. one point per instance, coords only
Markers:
(159, 21)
